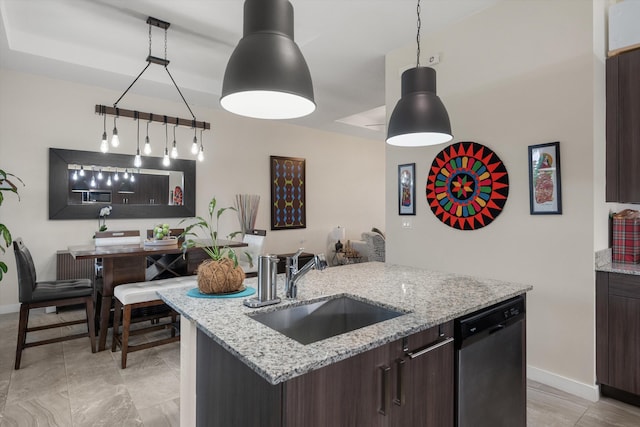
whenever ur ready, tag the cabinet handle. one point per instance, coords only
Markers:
(385, 392)
(425, 350)
(399, 399)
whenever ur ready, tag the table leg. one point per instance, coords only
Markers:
(105, 310)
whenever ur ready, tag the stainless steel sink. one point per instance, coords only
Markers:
(316, 321)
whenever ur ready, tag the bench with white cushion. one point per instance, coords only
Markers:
(143, 294)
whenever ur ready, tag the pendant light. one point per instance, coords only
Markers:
(147, 143)
(266, 76)
(194, 144)
(104, 144)
(166, 161)
(115, 141)
(174, 149)
(419, 118)
(137, 160)
(201, 152)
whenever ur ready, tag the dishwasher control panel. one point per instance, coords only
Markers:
(490, 320)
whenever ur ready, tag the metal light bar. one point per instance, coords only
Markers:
(160, 118)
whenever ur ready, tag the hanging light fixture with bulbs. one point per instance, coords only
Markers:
(266, 76)
(419, 118)
(150, 117)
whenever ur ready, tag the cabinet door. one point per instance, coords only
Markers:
(347, 393)
(623, 127)
(424, 380)
(624, 333)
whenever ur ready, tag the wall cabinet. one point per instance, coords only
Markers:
(623, 128)
(382, 387)
(618, 335)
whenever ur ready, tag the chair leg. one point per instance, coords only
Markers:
(117, 310)
(126, 324)
(22, 332)
(91, 324)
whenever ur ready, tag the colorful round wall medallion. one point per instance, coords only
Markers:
(467, 186)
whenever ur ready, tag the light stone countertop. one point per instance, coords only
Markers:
(430, 298)
(603, 263)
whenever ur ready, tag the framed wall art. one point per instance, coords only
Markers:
(288, 197)
(467, 186)
(407, 189)
(545, 191)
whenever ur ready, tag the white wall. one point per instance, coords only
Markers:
(345, 179)
(521, 73)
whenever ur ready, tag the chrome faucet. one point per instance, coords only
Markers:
(293, 274)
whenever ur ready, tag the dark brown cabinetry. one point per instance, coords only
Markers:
(618, 334)
(408, 382)
(623, 128)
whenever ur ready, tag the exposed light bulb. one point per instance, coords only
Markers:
(93, 181)
(109, 180)
(81, 170)
(115, 141)
(104, 145)
(174, 150)
(201, 154)
(137, 160)
(165, 159)
(116, 177)
(75, 175)
(147, 146)
(100, 175)
(126, 174)
(133, 178)
(194, 146)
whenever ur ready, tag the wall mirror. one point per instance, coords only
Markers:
(151, 191)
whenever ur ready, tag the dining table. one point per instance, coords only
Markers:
(134, 263)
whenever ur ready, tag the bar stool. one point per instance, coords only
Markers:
(140, 295)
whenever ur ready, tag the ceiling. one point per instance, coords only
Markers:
(105, 43)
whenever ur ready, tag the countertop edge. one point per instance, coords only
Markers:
(365, 339)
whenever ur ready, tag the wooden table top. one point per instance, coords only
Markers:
(114, 251)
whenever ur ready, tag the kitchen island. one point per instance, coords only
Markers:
(428, 298)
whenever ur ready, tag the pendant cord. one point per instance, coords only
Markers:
(419, 24)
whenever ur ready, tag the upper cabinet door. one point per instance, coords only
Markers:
(623, 128)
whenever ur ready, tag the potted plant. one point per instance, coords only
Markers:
(6, 185)
(221, 273)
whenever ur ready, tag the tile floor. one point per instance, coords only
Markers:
(64, 384)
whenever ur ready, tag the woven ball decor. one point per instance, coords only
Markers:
(219, 277)
(467, 186)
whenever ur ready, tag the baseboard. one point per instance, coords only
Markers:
(586, 391)
(9, 308)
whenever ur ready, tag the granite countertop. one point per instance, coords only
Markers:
(603, 263)
(429, 298)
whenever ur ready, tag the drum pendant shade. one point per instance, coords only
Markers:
(266, 76)
(419, 118)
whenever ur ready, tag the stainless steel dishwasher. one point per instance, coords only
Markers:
(491, 366)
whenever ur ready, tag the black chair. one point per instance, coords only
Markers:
(59, 293)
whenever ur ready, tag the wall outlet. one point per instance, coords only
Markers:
(406, 223)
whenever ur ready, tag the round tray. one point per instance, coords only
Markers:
(165, 242)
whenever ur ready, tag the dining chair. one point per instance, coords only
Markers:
(59, 293)
(109, 238)
(255, 240)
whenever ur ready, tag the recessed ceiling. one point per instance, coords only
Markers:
(105, 43)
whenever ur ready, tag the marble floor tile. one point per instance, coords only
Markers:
(64, 384)
(47, 410)
(38, 375)
(104, 405)
(548, 410)
(166, 414)
(610, 413)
